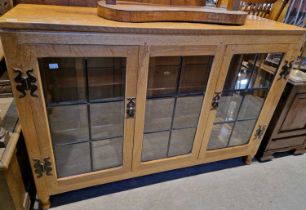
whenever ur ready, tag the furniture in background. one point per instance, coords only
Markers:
(5, 85)
(287, 130)
(301, 61)
(12, 193)
(279, 10)
(5, 5)
(296, 13)
(262, 8)
(271, 9)
(101, 101)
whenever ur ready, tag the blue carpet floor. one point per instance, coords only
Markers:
(133, 183)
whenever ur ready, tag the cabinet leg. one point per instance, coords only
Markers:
(248, 159)
(299, 151)
(45, 203)
(267, 156)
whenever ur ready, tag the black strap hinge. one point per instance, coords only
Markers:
(286, 70)
(260, 132)
(42, 167)
(25, 82)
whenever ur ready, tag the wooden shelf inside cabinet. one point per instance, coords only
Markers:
(116, 100)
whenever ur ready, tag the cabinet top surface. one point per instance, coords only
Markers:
(64, 18)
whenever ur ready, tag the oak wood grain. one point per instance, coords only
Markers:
(127, 12)
(93, 3)
(63, 18)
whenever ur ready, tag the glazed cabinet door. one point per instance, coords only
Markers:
(249, 87)
(83, 112)
(175, 87)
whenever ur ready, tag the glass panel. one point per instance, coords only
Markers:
(63, 79)
(242, 132)
(181, 141)
(187, 111)
(263, 74)
(176, 86)
(239, 74)
(158, 114)
(250, 71)
(251, 105)
(220, 135)
(245, 89)
(195, 74)
(163, 75)
(85, 103)
(107, 153)
(273, 60)
(107, 120)
(228, 107)
(72, 159)
(155, 146)
(68, 124)
(106, 77)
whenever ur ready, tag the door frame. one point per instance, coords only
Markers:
(268, 107)
(34, 120)
(145, 53)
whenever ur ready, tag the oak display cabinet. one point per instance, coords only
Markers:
(101, 101)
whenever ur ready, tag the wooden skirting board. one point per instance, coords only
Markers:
(269, 155)
(140, 12)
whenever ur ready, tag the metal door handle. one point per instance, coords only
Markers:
(286, 70)
(130, 107)
(216, 99)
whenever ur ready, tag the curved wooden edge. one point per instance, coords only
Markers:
(10, 149)
(151, 13)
